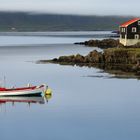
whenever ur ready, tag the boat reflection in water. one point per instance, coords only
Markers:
(25, 99)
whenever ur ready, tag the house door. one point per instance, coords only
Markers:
(136, 36)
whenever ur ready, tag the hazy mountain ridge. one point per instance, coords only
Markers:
(18, 21)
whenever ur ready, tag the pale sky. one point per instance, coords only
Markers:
(80, 7)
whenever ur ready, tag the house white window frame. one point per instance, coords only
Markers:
(123, 30)
(134, 29)
(136, 36)
(139, 22)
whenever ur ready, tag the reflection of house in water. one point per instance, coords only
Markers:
(24, 99)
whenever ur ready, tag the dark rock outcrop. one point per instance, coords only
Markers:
(127, 60)
(105, 43)
(109, 56)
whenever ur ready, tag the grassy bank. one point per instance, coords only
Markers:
(122, 55)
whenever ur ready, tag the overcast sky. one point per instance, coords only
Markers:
(82, 7)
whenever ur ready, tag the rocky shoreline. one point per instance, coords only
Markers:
(120, 59)
(115, 57)
(103, 44)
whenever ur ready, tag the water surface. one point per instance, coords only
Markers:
(81, 107)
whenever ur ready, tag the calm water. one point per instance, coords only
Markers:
(81, 107)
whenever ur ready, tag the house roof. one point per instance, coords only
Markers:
(129, 22)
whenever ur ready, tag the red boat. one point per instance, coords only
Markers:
(24, 91)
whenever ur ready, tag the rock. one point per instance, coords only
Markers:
(55, 60)
(79, 59)
(106, 43)
(124, 59)
(109, 56)
(66, 58)
(94, 57)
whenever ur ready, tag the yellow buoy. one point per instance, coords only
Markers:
(48, 91)
(48, 96)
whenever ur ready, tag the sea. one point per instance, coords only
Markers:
(86, 104)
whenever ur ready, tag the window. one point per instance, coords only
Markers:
(136, 36)
(138, 22)
(123, 30)
(134, 29)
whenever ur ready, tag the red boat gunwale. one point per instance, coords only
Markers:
(16, 89)
(19, 89)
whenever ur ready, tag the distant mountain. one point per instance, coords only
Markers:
(17, 21)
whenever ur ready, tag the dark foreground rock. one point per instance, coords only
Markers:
(109, 56)
(127, 60)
